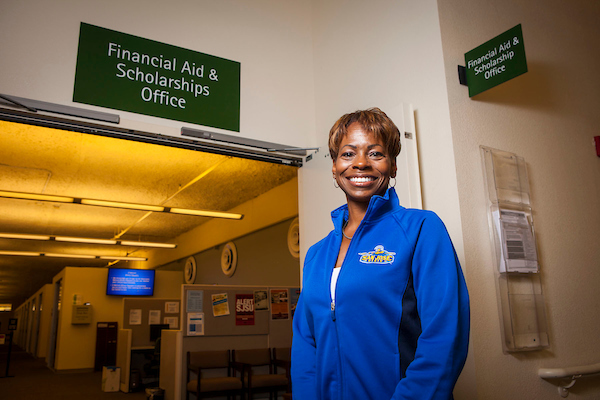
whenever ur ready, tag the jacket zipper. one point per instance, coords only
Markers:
(333, 317)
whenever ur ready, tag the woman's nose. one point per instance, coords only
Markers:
(361, 161)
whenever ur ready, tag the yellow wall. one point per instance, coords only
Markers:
(45, 318)
(26, 324)
(76, 344)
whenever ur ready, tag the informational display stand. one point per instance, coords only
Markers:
(519, 289)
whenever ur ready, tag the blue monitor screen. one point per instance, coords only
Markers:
(130, 282)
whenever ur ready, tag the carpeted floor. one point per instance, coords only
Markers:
(31, 379)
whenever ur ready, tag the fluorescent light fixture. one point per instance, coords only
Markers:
(147, 244)
(123, 258)
(34, 196)
(23, 236)
(72, 239)
(202, 213)
(58, 255)
(118, 204)
(83, 240)
(19, 253)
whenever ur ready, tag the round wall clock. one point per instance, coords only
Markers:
(189, 270)
(229, 259)
(293, 238)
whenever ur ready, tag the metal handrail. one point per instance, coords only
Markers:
(573, 373)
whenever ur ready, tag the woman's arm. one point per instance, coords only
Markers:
(443, 308)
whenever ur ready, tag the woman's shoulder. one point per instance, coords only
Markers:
(415, 214)
(411, 219)
(317, 247)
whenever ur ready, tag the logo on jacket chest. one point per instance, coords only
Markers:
(378, 256)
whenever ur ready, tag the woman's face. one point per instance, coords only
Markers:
(363, 167)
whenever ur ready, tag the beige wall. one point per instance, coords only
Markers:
(549, 116)
(263, 258)
(76, 344)
(379, 53)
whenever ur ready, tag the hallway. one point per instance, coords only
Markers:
(30, 378)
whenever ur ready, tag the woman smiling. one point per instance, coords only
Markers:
(384, 311)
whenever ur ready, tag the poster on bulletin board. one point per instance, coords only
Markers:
(195, 324)
(244, 309)
(220, 304)
(279, 304)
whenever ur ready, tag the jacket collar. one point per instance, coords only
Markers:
(378, 206)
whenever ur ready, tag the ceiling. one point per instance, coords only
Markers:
(50, 161)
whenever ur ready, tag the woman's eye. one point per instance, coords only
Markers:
(376, 154)
(347, 154)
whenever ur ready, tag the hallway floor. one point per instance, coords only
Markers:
(31, 379)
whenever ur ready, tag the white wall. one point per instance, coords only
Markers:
(549, 116)
(382, 54)
(271, 39)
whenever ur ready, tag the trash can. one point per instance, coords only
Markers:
(110, 379)
(155, 394)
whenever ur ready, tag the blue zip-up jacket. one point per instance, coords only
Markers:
(400, 325)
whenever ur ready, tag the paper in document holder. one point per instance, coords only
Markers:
(518, 244)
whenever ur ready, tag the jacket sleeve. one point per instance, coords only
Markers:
(443, 308)
(304, 380)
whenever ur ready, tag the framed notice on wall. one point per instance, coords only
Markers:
(130, 73)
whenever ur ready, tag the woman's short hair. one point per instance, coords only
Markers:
(372, 120)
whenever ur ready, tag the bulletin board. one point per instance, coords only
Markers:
(138, 313)
(218, 307)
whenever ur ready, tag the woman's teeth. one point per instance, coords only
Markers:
(362, 179)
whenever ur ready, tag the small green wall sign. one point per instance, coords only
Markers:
(496, 61)
(130, 73)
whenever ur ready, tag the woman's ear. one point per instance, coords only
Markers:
(394, 169)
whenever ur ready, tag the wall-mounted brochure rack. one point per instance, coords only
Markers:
(518, 283)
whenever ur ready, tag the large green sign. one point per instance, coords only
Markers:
(496, 61)
(130, 73)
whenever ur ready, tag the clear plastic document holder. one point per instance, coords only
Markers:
(512, 234)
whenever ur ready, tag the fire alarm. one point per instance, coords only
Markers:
(597, 141)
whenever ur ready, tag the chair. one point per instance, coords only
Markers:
(152, 367)
(204, 387)
(260, 373)
(282, 357)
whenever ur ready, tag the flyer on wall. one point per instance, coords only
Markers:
(173, 322)
(279, 304)
(261, 300)
(220, 304)
(244, 309)
(135, 316)
(154, 317)
(195, 324)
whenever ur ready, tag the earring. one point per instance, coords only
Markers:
(335, 184)
(394, 178)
